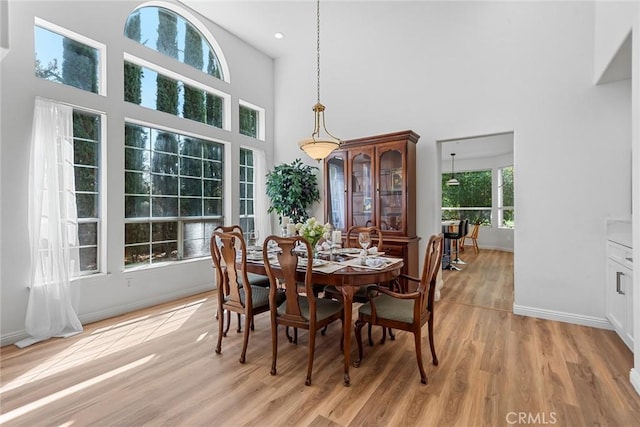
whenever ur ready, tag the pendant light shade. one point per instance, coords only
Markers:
(451, 182)
(321, 143)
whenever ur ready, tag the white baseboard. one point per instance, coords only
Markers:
(634, 377)
(87, 318)
(560, 316)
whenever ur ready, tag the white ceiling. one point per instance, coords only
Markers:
(257, 21)
(478, 147)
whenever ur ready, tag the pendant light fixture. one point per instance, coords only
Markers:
(452, 181)
(321, 143)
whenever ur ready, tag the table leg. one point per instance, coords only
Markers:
(347, 293)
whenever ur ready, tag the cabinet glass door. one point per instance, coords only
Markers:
(362, 203)
(391, 189)
(336, 192)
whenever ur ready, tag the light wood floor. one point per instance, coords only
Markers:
(157, 367)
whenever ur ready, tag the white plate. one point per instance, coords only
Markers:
(375, 262)
(350, 251)
(356, 255)
(258, 257)
(316, 262)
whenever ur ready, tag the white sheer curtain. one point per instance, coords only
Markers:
(262, 220)
(53, 225)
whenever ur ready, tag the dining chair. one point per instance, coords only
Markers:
(301, 309)
(473, 236)
(463, 230)
(233, 295)
(254, 279)
(407, 312)
(363, 294)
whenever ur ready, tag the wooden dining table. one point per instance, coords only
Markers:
(347, 279)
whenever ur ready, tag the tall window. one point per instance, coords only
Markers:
(470, 200)
(70, 59)
(173, 195)
(174, 183)
(247, 190)
(66, 59)
(505, 202)
(86, 160)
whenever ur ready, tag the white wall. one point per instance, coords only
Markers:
(612, 26)
(458, 69)
(106, 294)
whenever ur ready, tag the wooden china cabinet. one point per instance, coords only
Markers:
(372, 181)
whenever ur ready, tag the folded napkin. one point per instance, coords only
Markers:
(372, 251)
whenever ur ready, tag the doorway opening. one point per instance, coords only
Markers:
(481, 168)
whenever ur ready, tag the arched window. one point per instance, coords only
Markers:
(169, 33)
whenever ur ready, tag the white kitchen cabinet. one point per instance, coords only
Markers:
(619, 290)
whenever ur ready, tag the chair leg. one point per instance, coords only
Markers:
(239, 327)
(228, 324)
(358, 331)
(248, 320)
(392, 336)
(312, 347)
(369, 335)
(433, 348)
(220, 330)
(274, 344)
(418, 339)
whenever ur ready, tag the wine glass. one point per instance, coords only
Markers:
(328, 235)
(253, 240)
(364, 238)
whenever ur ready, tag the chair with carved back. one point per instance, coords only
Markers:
(301, 309)
(232, 294)
(364, 292)
(254, 279)
(407, 312)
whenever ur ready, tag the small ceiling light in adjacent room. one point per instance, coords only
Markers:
(452, 181)
(278, 36)
(319, 146)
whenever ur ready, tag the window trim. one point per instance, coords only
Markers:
(100, 47)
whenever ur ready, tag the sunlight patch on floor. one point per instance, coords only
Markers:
(8, 416)
(108, 340)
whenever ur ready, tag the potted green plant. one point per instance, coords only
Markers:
(292, 189)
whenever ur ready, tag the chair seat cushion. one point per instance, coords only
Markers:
(260, 296)
(324, 308)
(255, 280)
(390, 308)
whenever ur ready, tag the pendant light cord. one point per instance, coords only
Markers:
(318, 46)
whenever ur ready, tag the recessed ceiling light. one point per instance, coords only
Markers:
(278, 36)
